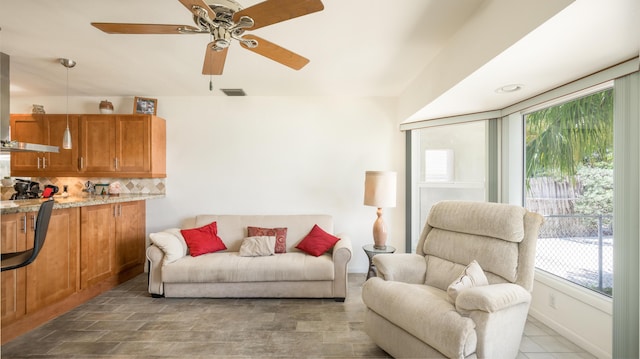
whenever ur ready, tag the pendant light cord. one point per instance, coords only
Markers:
(67, 98)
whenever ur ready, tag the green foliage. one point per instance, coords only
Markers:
(597, 190)
(561, 138)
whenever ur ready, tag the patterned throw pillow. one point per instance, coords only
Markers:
(279, 233)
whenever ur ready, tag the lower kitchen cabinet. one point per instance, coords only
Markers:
(87, 251)
(54, 274)
(113, 240)
(130, 235)
(13, 282)
(97, 244)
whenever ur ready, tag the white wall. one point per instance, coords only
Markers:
(270, 155)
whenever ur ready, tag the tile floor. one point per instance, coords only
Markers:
(126, 322)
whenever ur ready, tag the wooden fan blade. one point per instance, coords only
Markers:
(276, 53)
(274, 11)
(114, 28)
(214, 60)
(189, 4)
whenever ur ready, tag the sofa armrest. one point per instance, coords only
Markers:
(341, 256)
(155, 256)
(401, 267)
(492, 298)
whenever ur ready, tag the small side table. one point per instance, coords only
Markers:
(371, 252)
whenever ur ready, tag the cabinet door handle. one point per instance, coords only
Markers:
(44, 162)
(24, 224)
(39, 162)
(81, 164)
(115, 160)
(33, 222)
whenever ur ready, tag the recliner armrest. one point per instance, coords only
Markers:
(492, 298)
(401, 267)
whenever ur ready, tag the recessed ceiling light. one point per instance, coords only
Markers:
(509, 88)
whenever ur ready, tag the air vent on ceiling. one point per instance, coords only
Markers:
(233, 92)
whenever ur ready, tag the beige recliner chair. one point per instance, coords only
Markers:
(439, 303)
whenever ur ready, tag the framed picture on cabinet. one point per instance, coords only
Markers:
(148, 106)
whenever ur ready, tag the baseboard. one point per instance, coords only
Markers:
(569, 334)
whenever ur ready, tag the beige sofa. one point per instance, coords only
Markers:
(437, 303)
(227, 274)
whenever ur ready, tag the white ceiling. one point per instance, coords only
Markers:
(356, 48)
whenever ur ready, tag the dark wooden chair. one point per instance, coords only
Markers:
(20, 259)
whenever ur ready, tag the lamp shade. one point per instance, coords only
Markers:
(380, 189)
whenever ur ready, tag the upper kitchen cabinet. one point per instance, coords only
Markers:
(46, 130)
(118, 146)
(123, 146)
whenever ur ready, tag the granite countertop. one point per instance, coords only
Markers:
(31, 205)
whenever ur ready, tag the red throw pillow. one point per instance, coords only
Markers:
(279, 233)
(317, 242)
(203, 240)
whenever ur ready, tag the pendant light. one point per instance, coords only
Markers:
(66, 138)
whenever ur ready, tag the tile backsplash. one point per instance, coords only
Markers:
(76, 184)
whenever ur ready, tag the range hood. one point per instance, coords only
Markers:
(6, 145)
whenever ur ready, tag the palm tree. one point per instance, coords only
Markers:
(561, 138)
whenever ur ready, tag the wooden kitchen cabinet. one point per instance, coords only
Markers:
(97, 244)
(118, 146)
(53, 276)
(113, 240)
(123, 146)
(27, 128)
(88, 250)
(130, 235)
(46, 130)
(13, 286)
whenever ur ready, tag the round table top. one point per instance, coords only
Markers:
(370, 249)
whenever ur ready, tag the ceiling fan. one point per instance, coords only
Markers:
(226, 20)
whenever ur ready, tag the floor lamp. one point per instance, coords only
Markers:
(380, 192)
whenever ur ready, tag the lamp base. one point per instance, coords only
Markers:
(379, 232)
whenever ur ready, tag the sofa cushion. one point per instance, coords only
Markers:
(317, 241)
(279, 233)
(471, 276)
(258, 246)
(231, 267)
(168, 241)
(203, 239)
(427, 313)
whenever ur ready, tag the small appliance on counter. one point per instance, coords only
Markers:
(49, 191)
(25, 189)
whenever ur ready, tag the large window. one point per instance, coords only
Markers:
(569, 180)
(451, 164)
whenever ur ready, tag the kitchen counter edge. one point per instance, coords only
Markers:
(31, 205)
